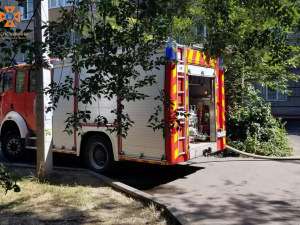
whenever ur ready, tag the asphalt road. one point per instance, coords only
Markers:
(226, 190)
(220, 190)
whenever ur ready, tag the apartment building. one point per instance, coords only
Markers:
(26, 13)
(283, 105)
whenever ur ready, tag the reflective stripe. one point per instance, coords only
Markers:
(176, 153)
(175, 137)
(64, 151)
(175, 105)
(198, 57)
(175, 72)
(142, 160)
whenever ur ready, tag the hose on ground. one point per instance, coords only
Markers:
(260, 156)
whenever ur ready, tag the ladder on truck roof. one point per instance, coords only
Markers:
(182, 93)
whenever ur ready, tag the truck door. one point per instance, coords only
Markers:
(6, 93)
(19, 98)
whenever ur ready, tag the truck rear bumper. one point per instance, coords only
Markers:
(201, 148)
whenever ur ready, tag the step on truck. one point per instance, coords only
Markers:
(194, 81)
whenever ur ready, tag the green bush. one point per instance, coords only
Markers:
(253, 129)
(6, 181)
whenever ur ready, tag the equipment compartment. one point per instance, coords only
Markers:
(202, 115)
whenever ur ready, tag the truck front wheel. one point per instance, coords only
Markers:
(13, 147)
(98, 155)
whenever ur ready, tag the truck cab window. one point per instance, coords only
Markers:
(1, 83)
(20, 81)
(31, 82)
(7, 80)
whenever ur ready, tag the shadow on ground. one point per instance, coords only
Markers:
(59, 159)
(147, 176)
(293, 127)
(138, 175)
(244, 209)
(68, 215)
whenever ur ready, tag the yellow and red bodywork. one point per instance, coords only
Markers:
(174, 146)
(175, 88)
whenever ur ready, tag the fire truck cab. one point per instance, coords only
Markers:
(195, 84)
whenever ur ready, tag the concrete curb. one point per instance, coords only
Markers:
(177, 216)
(172, 212)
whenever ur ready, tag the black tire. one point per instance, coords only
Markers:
(98, 155)
(13, 147)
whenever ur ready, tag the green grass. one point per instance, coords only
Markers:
(72, 197)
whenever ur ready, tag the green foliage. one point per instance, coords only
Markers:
(117, 38)
(251, 36)
(253, 129)
(253, 39)
(6, 181)
(114, 38)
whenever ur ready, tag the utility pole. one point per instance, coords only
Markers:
(43, 79)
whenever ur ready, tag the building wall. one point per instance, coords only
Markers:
(53, 15)
(291, 107)
(19, 25)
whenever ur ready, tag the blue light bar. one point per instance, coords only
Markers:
(17, 63)
(221, 64)
(171, 50)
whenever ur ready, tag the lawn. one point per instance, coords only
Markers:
(72, 197)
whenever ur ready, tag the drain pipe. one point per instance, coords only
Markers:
(261, 157)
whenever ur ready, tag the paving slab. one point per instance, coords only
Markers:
(236, 191)
(293, 130)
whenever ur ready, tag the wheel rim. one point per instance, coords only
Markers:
(98, 155)
(13, 146)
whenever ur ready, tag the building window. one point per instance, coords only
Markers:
(271, 95)
(59, 3)
(27, 10)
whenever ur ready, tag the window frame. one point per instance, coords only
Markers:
(29, 78)
(27, 15)
(57, 4)
(1, 83)
(12, 81)
(16, 79)
(265, 94)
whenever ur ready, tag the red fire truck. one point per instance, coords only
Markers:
(195, 84)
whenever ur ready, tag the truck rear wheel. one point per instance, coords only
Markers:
(12, 147)
(98, 155)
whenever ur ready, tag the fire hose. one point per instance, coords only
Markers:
(261, 157)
